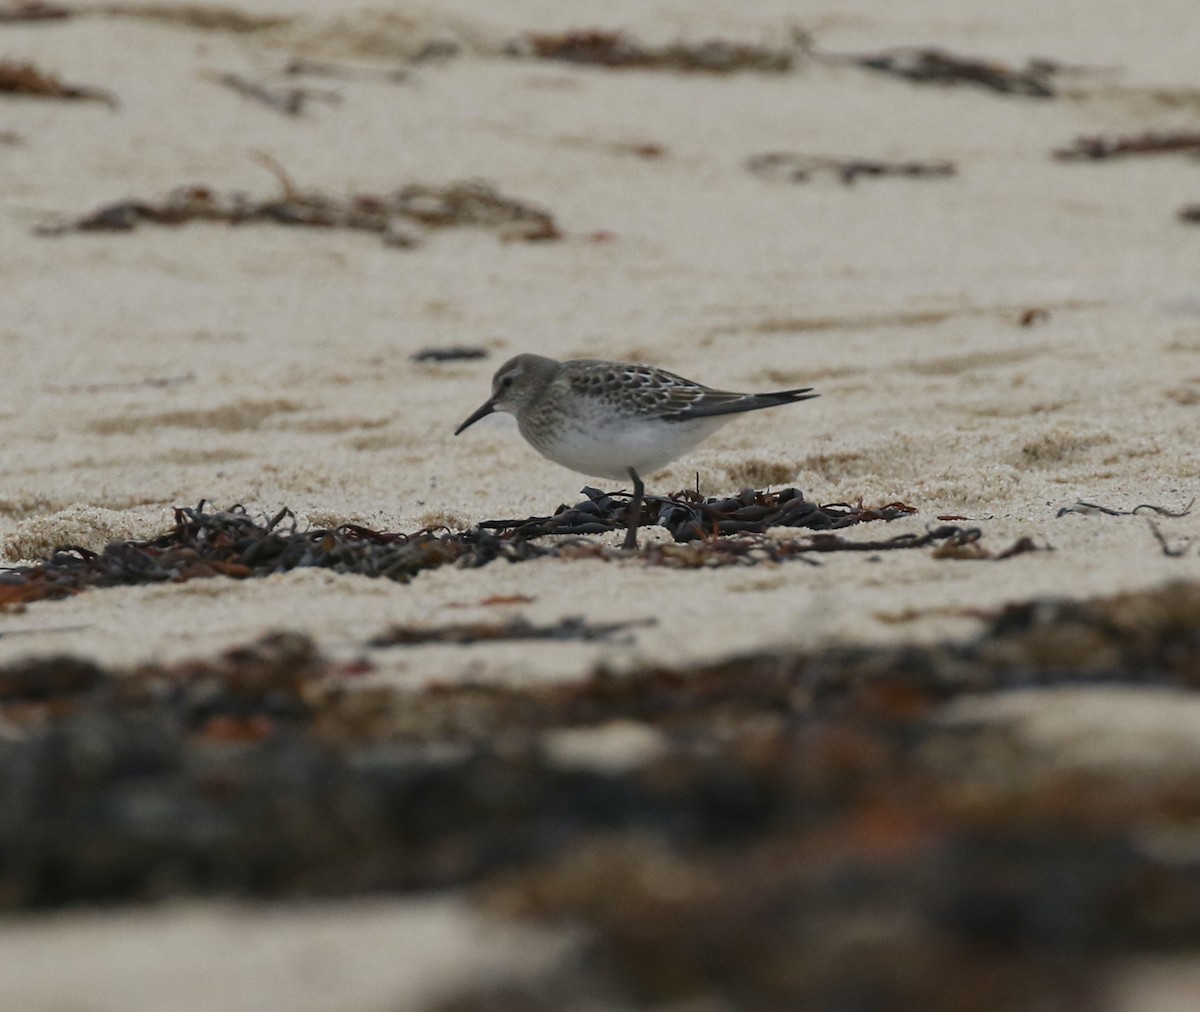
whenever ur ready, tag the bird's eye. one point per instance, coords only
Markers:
(506, 382)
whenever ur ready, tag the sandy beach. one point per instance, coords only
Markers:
(993, 346)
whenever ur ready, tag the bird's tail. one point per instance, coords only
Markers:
(729, 404)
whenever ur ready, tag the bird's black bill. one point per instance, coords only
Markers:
(485, 409)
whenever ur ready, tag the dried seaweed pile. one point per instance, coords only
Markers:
(231, 543)
(690, 516)
(707, 532)
(396, 217)
(790, 830)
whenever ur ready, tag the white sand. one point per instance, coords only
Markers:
(285, 352)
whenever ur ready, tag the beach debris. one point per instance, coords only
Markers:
(467, 633)
(451, 353)
(201, 16)
(31, 681)
(689, 516)
(1099, 148)
(391, 216)
(708, 532)
(1168, 550)
(798, 168)
(287, 100)
(930, 65)
(206, 17)
(438, 49)
(34, 10)
(1091, 507)
(152, 382)
(475, 203)
(17, 78)
(966, 545)
(615, 49)
(10, 138)
(1035, 314)
(205, 543)
(301, 67)
(640, 149)
(648, 150)
(272, 678)
(784, 791)
(1189, 213)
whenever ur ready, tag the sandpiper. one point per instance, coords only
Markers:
(613, 419)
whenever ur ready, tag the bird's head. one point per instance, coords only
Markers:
(516, 382)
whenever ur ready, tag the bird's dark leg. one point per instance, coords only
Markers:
(635, 510)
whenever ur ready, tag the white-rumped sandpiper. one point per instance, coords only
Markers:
(613, 419)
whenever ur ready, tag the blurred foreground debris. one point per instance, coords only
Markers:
(726, 832)
(464, 634)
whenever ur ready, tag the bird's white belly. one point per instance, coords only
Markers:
(609, 450)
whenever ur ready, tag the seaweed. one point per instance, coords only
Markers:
(797, 168)
(290, 101)
(391, 216)
(689, 516)
(301, 67)
(204, 17)
(930, 65)
(1168, 550)
(231, 543)
(205, 543)
(26, 79)
(570, 628)
(966, 545)
(1100, 148)
(34, 10)
(1091, 507)
(621, 51)
(452, 353)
